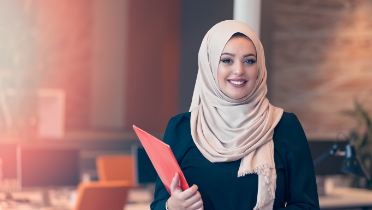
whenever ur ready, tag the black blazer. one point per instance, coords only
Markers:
(218, 183)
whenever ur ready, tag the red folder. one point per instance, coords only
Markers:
(162, 158)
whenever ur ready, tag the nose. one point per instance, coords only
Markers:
(239, 69)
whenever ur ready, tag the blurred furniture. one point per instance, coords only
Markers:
(40, 167)
(47, 168)
(346, 198)
(90, 143)
(138, 199)
(101, 195)
(115, 168)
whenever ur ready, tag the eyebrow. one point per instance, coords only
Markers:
(233, 55)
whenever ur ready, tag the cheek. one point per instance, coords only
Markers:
(222, 74)
(252, 73)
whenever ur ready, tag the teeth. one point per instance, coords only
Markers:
(237, 82)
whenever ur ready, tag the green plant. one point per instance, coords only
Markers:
(361, 137)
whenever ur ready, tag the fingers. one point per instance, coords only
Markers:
(188, 193)
(188, 199)
(191, 198)
(194, 202)
(174, 187)
(198, 205)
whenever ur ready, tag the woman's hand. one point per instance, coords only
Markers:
(189, 199)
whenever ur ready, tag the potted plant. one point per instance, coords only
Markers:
(361, 137)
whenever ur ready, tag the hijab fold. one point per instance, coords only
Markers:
(226, 129)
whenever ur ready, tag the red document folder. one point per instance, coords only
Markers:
(162, 158)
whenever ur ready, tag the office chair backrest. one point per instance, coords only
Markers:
(115, 168)
(102, 195)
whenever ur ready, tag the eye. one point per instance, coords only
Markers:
(250, 61)
(226, 60)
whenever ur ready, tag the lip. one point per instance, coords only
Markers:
(237, 86)
(238, 79)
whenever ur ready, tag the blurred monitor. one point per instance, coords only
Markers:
(8, 155)
(44, 167)
(144, 171)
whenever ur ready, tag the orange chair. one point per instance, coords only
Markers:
(115, 168)
(102, 195)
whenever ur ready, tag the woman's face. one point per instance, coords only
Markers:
(237, 70)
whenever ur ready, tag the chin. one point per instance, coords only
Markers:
(236, 97)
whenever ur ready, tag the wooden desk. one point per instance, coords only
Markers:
(339, 198)
(138, 199)
(346, 198)
(139, 206)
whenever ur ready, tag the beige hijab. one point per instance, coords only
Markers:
(226, 129)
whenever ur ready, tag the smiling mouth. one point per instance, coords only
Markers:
(238, 83)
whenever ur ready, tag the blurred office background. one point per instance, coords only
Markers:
(77, 75)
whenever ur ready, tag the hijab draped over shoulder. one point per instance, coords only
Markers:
(226, 129)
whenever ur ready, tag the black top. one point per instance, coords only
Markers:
(218, 183)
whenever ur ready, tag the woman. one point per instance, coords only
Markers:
(235, 148)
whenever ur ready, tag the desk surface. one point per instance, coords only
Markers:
(138, 199)
(344, 198)
(143, 206)
(339, 198)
